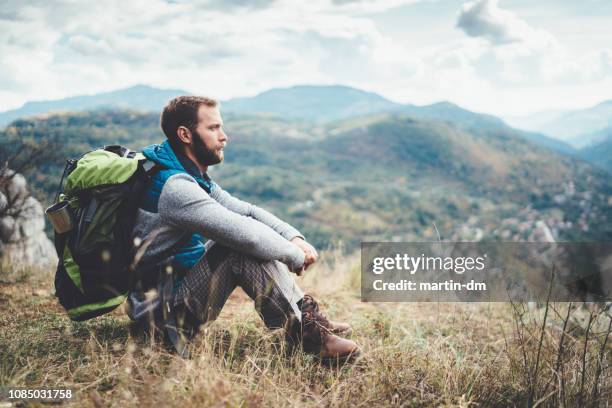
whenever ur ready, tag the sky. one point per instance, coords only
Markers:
(504, 57)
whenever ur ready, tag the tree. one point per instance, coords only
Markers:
(19, 158)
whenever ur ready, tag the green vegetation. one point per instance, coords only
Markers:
(382, 177)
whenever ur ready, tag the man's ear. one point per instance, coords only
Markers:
(183, 134)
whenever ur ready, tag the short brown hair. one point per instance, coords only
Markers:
(183, 111)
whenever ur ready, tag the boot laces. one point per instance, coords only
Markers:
(314, 322)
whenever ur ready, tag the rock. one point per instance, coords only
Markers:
(32, 218)
(23, 241)
(17, 189)
(3, 202)
(7, 228)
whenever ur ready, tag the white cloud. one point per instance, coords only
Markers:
(53, 50)
(369, 6)
(483, 18)
(197, 46)
(515, 58)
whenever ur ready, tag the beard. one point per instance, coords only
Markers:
(205, 156)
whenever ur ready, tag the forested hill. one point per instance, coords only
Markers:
(373, 177)
(600, 153)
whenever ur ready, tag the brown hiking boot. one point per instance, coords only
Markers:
(334, 327)
(317, 336)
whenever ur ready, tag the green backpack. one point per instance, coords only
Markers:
(103, 191)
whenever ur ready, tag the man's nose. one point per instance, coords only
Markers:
(224, 136)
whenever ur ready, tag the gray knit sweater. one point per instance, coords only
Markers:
(185, 208)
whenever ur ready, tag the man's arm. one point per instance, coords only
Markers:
(244, 208)
(283, 228)
(183, 204)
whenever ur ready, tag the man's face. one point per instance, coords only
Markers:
(209, 139)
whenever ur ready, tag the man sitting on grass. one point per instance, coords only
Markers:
(199, 243)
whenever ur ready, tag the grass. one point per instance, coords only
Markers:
(414, 354)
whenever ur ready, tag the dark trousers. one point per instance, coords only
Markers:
(205, 288)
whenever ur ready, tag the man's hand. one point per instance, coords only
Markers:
(310, 253)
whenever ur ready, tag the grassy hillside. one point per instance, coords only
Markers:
(414, 354)
(388, 176)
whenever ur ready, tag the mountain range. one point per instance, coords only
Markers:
(585, 133)
(318, 104)
(139, 97)
(303, 102)
(579, 128)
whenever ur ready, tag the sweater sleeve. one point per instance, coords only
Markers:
(184, 205)
(244, 208)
